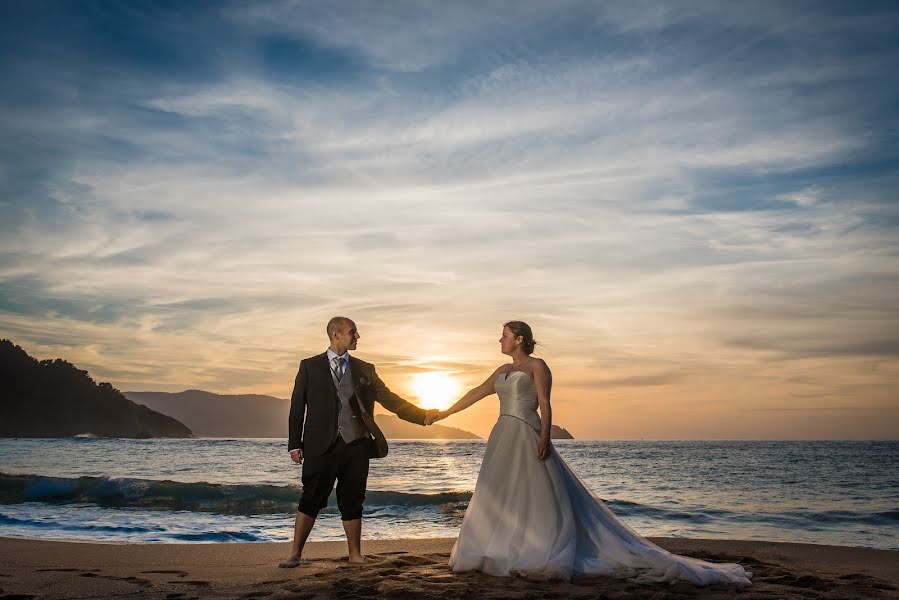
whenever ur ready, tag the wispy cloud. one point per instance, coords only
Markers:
(679, 196)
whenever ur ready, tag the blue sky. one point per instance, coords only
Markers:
(694, 203)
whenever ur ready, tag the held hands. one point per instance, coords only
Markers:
(296, 456)
(432, 415)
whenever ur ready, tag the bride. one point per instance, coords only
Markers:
(530, 515)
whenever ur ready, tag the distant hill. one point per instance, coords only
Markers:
(559, 433)
(253, 415)
(53, 398)
(395, 428)
(215, 415)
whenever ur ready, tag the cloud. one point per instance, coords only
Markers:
(660, 189)
(632, 381)
(887, 346)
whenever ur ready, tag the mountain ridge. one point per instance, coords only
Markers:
(262, 416)
(53, 398)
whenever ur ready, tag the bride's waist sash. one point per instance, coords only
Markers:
(533, 422)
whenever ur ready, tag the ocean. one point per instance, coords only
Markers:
(245, 490)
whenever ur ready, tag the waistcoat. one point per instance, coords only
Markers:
(349, 425)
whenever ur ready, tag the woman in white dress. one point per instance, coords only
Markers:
(530, 515)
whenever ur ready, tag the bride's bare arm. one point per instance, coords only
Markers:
(474, 394)
(543, 381)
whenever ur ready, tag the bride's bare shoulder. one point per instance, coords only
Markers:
(494, 377)
(540, 365)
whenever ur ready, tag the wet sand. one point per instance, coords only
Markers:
(410, 568)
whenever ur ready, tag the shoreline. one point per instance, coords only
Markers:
(418, 567)
(662, 541)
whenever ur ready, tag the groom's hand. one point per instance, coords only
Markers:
(296, 456)
(431, 415)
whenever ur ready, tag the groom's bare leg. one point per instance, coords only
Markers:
(353, 531)
(301, 528)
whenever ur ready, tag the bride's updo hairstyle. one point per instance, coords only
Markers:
(524, 330)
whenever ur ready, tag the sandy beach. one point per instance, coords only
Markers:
(409, 568)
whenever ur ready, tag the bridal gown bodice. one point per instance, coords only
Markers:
(536, 518)
(518, 398)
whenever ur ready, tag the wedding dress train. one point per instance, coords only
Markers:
(536, 518)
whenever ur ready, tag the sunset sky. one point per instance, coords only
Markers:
(694, 204)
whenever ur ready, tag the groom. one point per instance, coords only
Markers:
(333, 445)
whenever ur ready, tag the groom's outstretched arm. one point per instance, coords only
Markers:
(403, 409)
(298, 409)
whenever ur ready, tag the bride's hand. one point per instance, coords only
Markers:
(542, 450)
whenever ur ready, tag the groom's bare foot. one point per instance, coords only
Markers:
(293, 561)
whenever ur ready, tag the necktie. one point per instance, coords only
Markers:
(339, 363)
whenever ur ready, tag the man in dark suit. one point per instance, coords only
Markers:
(328, 435)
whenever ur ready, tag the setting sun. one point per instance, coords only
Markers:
(436, 389)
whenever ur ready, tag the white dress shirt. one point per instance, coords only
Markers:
(346, 360)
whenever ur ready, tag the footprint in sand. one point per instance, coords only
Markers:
(412, 561)
(193, 582)
(167, 572)
(880, 584)
(366, 591)
(294, 588)
(67, 570)
(134, 580)
(804, 581)
(304, 596)
(351, 589)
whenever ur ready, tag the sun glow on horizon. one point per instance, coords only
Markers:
(436, 389)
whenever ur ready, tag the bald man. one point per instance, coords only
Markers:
(329, 437)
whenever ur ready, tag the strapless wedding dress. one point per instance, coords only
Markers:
(537, 519)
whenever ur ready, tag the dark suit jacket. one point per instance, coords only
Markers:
(314, 404)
